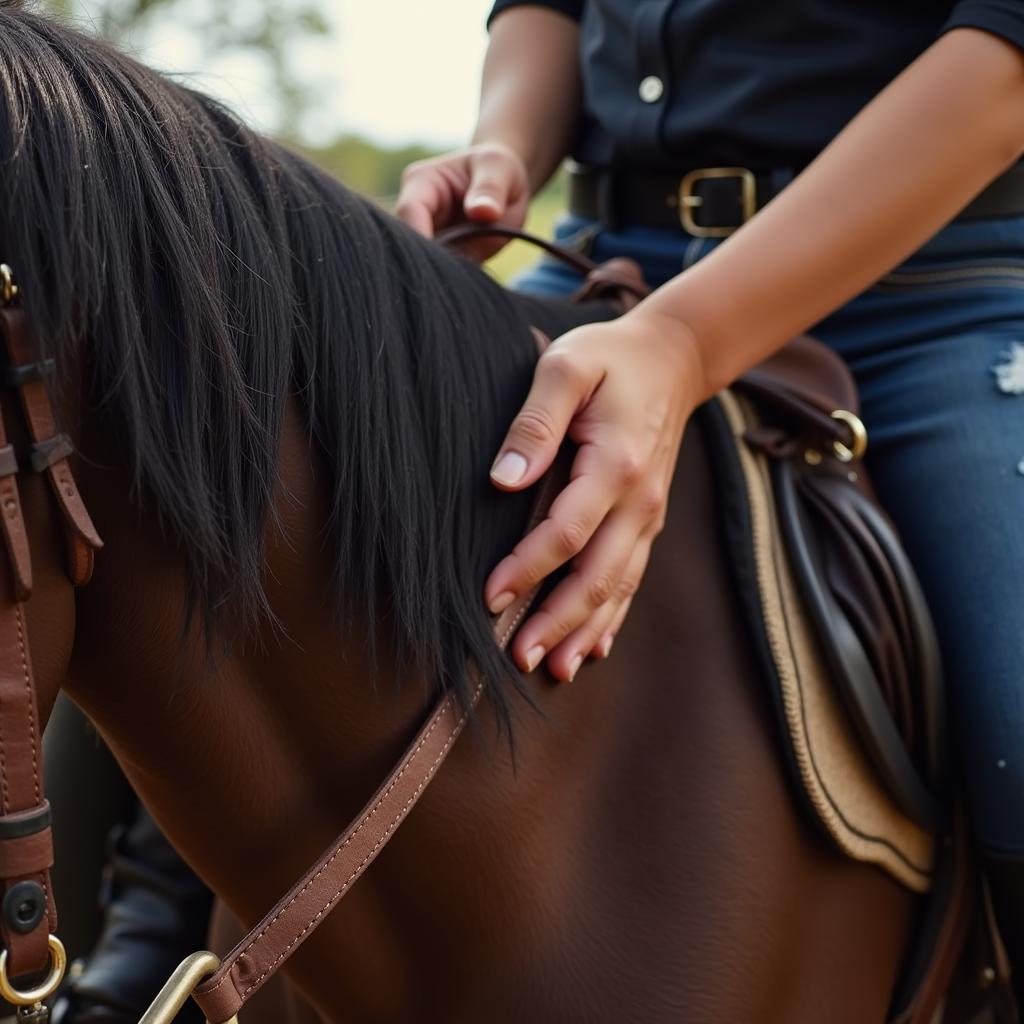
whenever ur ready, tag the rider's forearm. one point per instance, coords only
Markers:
(898, 172)
(530, 94)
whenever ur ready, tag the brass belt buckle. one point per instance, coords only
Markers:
(689, 200)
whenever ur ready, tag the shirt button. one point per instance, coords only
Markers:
(651, 89)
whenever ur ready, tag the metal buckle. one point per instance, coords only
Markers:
(689, 201)
(34, 996)
(173, 996)
(8, 289)
(858, 437)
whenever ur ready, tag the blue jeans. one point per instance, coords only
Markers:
(937, 348)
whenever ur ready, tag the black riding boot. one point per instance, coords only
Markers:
(1006, 883)
(157, 913)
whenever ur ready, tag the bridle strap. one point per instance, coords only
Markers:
(470, 232)
(618, 281)
(12, 520)
(50, 449)
(25, 834)
(306, 905)
(28, 915)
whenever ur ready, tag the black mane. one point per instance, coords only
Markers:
(203, 274)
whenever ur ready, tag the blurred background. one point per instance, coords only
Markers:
(363, 87)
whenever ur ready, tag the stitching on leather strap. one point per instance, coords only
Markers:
(30, 701)
(364, 821)
(516, 620)
(539, 513)
(4, 800)
(385, 836)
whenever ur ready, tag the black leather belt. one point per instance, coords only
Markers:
(712, 202)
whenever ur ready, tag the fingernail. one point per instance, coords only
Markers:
(606, 646)
(533, 657)
(575, 666)
(509, 469)
(482, 200)
(501, 602)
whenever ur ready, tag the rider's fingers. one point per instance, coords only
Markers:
(572, 521)
(592, 640)
(566, 658)
(562, 385)
(493, 186)
(604, 646)
(599, 578)
(417, 216)
(595, 637)
(424, 201)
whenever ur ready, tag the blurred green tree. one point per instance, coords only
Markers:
(363, 165)
(267, 28)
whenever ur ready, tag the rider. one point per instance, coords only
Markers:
(769, 165)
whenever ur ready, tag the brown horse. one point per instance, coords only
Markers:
(283, 406)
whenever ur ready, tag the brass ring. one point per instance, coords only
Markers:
(31, 996)
(858, 433)
(8, 289)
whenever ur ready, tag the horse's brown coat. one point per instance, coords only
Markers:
(646, 861)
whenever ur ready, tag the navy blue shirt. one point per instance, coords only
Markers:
(757, 83)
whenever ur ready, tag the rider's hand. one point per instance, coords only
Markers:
(623, 392)
(483, 184)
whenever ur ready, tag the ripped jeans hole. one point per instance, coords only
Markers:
(1010, 372)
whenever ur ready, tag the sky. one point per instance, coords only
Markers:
(397, 71)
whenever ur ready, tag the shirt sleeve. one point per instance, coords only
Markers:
(1003, 18)
(570, 8)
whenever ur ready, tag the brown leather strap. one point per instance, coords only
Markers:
(23, 857)
(255, 959)
(21, 791)
(50, 449)
(618, 280)
(467, 232)
(27, 916)
(12, 521)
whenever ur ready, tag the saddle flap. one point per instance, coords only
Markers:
(847, 638)
(844, 588)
